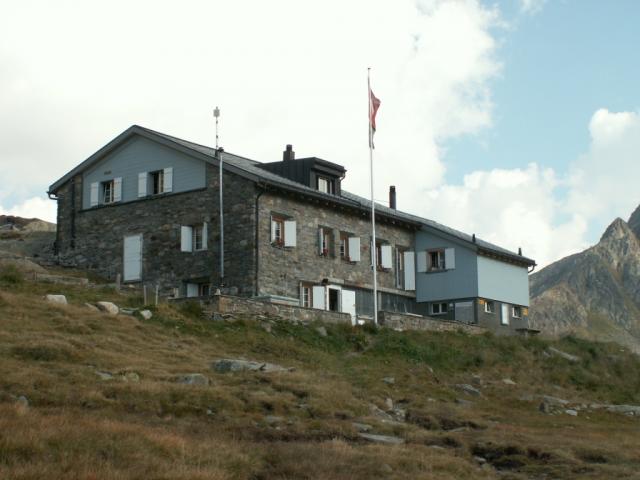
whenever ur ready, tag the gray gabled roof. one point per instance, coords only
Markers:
(251, 169)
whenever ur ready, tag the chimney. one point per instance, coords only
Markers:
(288, 154)
(473, 238)
(392, 197)
(520, 251)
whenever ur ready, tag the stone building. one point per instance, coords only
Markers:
(145, 207)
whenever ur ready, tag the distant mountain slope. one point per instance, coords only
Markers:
(11, 222)
(595, 293)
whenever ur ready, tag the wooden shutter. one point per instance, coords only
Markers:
(450, 258)
(205, 236)
(319, 297)
(409, 271)
(348, 304)
(273, 230)
(386, 254)
(186, 239)
(168, 180)
(354, 249)
(289, 233)
(422, 261)
(94, 194)
(142, 184)
(320, 241)
(117, 189)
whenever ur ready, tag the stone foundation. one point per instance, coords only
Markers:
(404, 321)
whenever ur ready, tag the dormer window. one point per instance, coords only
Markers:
(325, 185)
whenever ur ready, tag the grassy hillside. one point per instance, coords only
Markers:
(104, 400)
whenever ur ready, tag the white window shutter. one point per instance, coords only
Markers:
(301, 294)
(422, 261)
(450, 258)
(387, 261)
(168, 180)
(320, 241)
(205, 236)
(186, 239)
(354, 249)
(94, 194)
(192, 290)
(142, 184)
(319, 297)
(409, 271)
(273, 230)
(117, 189)
(289, 233)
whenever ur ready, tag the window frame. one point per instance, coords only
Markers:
(329, 184)
(489, 307)
(513, 311)
(108, 188)
(326, 247)
(278, 239)
(344, 246)
(400, 266)
(197, 236)
(443, 308)
(306, 288)
(440, 255)
(204, 289)
(157, 182)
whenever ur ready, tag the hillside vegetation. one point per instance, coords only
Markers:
(86, 395)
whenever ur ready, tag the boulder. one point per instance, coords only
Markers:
(386, 439)
(321, 331)
(565, 355)
(570, 411)
(22, 401)
(389, 380)
(273, 419)
(508, 381)
(146, 314)
(362, 427)
(192, 379)
(551, 404)
(131, 377)
(60, 299)
(92, 307)
(226, 365)
(106, 376)
(625, 409)
(108, 307)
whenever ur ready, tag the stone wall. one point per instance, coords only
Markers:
(415, 322)
(226, 304)
(281, 269)
(93, 238)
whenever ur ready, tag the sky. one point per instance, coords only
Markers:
(517, 120)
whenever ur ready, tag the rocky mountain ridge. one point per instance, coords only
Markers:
(595, 293)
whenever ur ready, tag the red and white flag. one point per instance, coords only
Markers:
(374, 104)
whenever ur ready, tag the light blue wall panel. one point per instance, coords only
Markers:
(142, 155)
(503, 281)
(461, 282)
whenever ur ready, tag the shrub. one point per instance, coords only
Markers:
(9, 274)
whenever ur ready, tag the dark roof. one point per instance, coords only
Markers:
(251, 169)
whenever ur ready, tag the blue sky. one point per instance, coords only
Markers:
(517, 120)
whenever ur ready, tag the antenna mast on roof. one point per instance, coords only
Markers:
(216, 114)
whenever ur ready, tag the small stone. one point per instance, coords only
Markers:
(192, 379)
(389, 380)
(362, 427)
(464, 403)
(436, 447)
(131, 377)
(388, 403)
(266, 327)
(565, 355)
(387, 439)
(146, 314)
(108, 307)
(91, 307)
(226, 365)
(104, 375)
(386, 468)
(22, 401)
(273, 419)
(480, 460)
(209, 411)
(571, 412)
(60, 299)
(508, 381)
(322, 331)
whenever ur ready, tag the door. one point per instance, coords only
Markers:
(505, 314)
(132, 258)
(318, 297)
(349, 304)
(333, 298)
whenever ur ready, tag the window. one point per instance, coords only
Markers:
(383, 256)
(198, 238)
(516, 312)
(439, 308)
(157, 182)
(306, 299)
(193, 237)
(489, 306)
(344, 246)
(108, 192)
(325, 185)
(436, 260)
(283, 232)
(204, 289)
(400, 267)
(324, 241)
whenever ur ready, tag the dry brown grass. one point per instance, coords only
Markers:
(78, 426)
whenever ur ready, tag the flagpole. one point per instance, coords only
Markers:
(374, 256)
(216, 114)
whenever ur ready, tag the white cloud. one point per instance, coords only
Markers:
(531, 6)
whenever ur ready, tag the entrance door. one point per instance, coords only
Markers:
(505, 314)
(132, 258)
(333, 298)
(349, 304)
